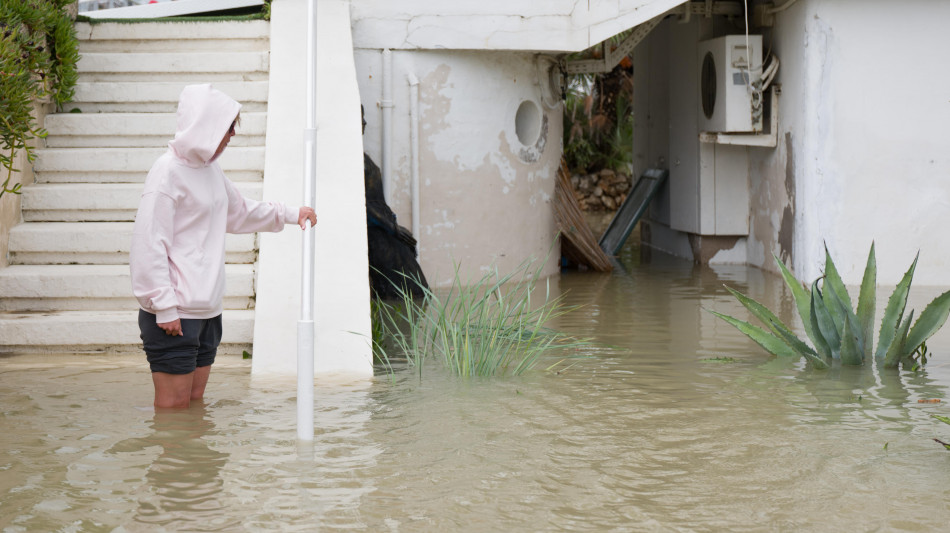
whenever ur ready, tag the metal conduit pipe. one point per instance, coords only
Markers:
(414, 144)
(386, 124)
(305, 326)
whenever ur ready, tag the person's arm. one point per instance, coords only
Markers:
(247, 216)
(152, 237)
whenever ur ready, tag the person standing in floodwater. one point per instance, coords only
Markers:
(177, 255)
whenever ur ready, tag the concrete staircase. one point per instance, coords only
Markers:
(67, 288)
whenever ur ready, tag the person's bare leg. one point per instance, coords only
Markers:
(201, 380)
(173, 390)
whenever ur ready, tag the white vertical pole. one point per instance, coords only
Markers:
(414, 142)
(305, 328)
(387, 124)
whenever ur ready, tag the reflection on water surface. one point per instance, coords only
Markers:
(654, 431)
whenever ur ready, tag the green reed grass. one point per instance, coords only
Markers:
(483, 328)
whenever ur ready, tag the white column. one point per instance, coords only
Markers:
(341, 287)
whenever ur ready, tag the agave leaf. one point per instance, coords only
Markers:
(760, 311)
(837, 294)
(770, 342)
(867, 301)
(944, 419)
(801, 295)
(933, 317)
(817, 338)
(850, 320)
(894, 352)
(851, 352)
(835, 310)
(803, 349)
(823, 321)
(833, 280)
(894, 311)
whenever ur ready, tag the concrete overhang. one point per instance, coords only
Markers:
(550, 26)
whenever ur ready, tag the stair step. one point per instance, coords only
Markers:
(96, 243)
(173, 63)
(173, 37)
(31, 288)
(111, 130)
(178, 30)
(93, 202)
(157, 97)
(124, 160)
(137, 176)
(102, 331)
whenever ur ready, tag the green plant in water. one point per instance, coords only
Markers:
(488, 327)
(38, 56)
(839, 332)
(945, 420)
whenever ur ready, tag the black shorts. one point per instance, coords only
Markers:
(180, 354)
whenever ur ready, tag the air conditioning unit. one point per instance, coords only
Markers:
(727, 69)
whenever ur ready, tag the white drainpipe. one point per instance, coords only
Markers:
(414, 139)
(387, 124)
(305, 326)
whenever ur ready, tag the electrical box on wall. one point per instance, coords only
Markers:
(728, 69)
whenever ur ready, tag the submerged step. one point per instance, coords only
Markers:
(31, 288)
(102, 331)
(99, 243)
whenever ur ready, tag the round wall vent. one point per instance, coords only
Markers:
(528, 123)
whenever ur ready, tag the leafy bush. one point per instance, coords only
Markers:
(598, 121)
(839, 332)
(38, 56)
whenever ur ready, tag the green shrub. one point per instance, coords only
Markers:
(836, 330)
(38, 56)
(598, 121)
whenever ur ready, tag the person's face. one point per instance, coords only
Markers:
(226, 139)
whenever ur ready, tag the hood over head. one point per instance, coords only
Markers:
(204, 118)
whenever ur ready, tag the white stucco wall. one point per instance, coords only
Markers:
(863, 140)
(551, 25)
(485, 199)
(861, 155)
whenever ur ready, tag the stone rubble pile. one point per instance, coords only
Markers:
(602, 191)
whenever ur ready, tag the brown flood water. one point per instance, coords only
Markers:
(646, 434)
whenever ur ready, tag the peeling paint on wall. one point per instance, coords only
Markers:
(485, 197)
(786, 232)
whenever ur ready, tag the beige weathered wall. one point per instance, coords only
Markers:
(10, 203)
(485, 198)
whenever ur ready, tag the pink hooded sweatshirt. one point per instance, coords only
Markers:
(177, 254)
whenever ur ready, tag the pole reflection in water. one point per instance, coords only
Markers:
(322, 483)
(184, 482)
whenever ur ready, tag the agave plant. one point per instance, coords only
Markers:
(836, 330)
